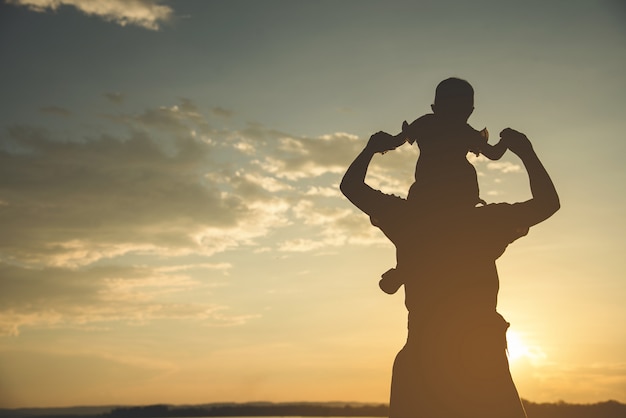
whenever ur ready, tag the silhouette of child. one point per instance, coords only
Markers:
(444, 139)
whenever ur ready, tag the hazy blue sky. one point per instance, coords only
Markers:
(172, 229)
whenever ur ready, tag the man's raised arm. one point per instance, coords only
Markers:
(353, 184)
(545, 200)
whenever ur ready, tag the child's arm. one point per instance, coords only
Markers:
(399, 139)
(406, 135)
(494, 152)
(480, 145)
(410, 131)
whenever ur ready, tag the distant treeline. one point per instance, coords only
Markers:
(609, 409)
(254, 410)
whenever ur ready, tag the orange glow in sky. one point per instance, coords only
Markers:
(172, 227)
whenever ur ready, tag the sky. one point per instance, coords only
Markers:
(171, 225)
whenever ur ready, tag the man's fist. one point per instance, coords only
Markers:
(516, 141)
(381, 142)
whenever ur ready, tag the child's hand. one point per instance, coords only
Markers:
(484, 134)
(407, 133)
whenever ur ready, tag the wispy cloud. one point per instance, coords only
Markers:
(115, 97)
(55, 110)
(101, 296)
(221, 112)
(323, 191)
(331, 226)
(177, 119)
(106, 197)
(295, 158)
(500, 165)
(504, 166)
(144, 13)
(170, 184)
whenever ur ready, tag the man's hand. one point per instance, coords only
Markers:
(545, 200)
(382, 142)
(516, 142)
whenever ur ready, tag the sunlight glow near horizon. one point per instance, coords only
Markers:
(517, 348)
(173, 230)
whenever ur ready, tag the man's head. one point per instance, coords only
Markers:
(452, 191)
(454, 100)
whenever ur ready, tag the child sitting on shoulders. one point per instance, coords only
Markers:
(444, 139)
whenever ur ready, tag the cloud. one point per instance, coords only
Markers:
(175, 186)
(221, 112)
(167, 186)
(500, 165)
(504, 166)
(55, 110)
(115, 97)
(164, 189)
(263, 218)
(58, 297)
(179, 119)
(301, 245)
(323, 191)
(105, 197)
(295, 158)
(307, 171)
(331, 226)
(172, 186)
(144, 13)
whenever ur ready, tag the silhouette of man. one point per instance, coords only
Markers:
(454, 362)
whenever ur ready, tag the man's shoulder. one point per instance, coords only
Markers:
(388, 206)
(391, 200)
(503, 218)
(498, 208)
(389, 214)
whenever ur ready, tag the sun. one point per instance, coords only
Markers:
(518, 349)
(516, 346)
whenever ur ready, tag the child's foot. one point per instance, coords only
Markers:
(391, 281)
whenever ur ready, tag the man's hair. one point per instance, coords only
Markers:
(453, 89)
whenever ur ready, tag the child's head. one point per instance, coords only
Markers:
(454, 99)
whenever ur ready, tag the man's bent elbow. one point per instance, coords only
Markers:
(343, 187)
(347, 187)
(551, 206)
(540, 209)
(556, 205)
